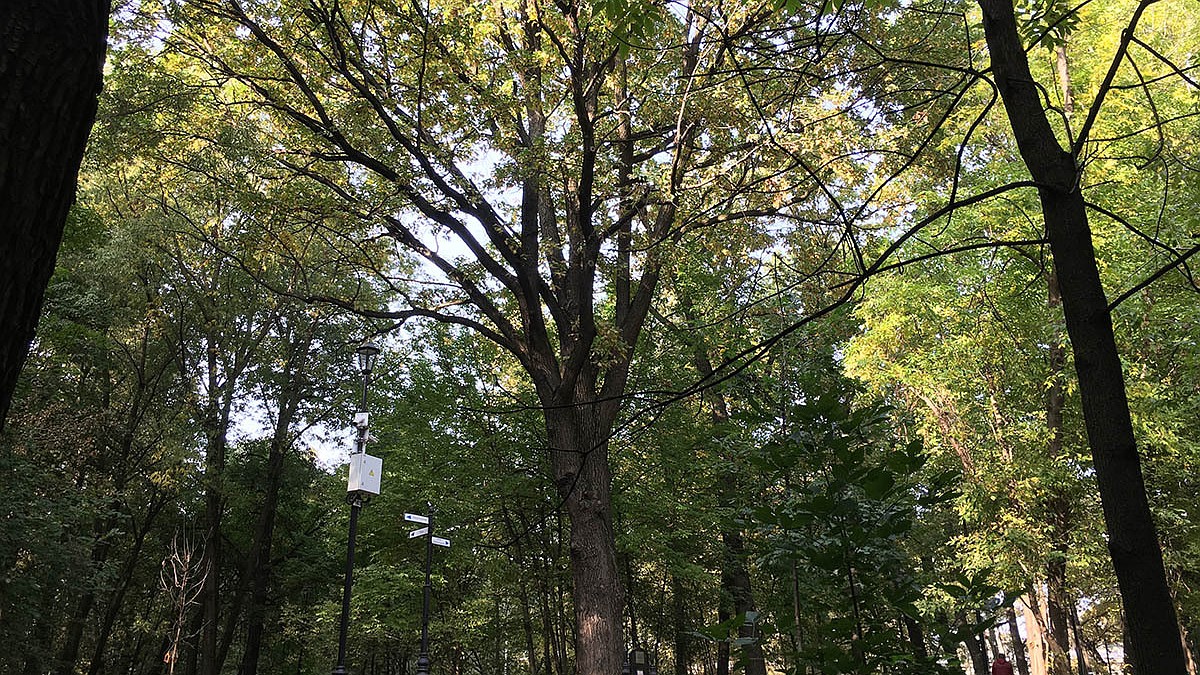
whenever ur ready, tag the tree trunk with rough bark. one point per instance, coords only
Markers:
(583, 478)
(51, 61)
(1132, 538)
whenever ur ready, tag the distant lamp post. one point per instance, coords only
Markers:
(365, 472)
(638, 662)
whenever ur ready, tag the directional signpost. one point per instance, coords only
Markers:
(430, 542)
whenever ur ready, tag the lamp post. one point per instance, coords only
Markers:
(365, 472)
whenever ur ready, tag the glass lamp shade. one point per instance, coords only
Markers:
(366, 353)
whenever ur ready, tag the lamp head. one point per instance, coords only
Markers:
(367, 353)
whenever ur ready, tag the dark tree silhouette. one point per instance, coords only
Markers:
(1153, 632)
(50, 76)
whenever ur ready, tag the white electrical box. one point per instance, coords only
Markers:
(365, 472)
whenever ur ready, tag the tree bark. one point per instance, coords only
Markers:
(1035, 643)
(117, 600)
(1018, 647)
(977, 650)
(216, 433)
(1058, 600)
(1132, 538)
(737, 593)
(101, 545)
(51, 61)
(584, 482)
(916, 638)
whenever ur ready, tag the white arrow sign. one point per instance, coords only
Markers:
(418, 533)
(414, 518)
(438, 541)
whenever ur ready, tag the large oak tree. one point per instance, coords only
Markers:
(564, 149)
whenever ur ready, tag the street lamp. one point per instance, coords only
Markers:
(638, 662)
(365, 472)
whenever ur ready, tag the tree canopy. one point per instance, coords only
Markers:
(818, 337)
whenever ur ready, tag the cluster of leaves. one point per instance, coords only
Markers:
(850, 507)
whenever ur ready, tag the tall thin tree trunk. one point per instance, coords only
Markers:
(1080, 661)
(977, 650)
(1132, 538)
(41, 634)
(258, 567)
(916, 638)
(117, 600)
(101, 545)
(797, 616)
(737, 595)
(1018, 645)
(1057, 505)
(993, 643)
(214, 509)
(680, 623)
(523, 573)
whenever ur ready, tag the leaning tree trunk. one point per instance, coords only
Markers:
(51, 56)
(1132, 539)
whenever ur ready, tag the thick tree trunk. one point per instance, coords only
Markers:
(584, 482)
(1132, 539)
(51, 58)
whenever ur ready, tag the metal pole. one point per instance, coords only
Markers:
(340, 668)
(362, 406)
(423, 659)
(356, 502)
